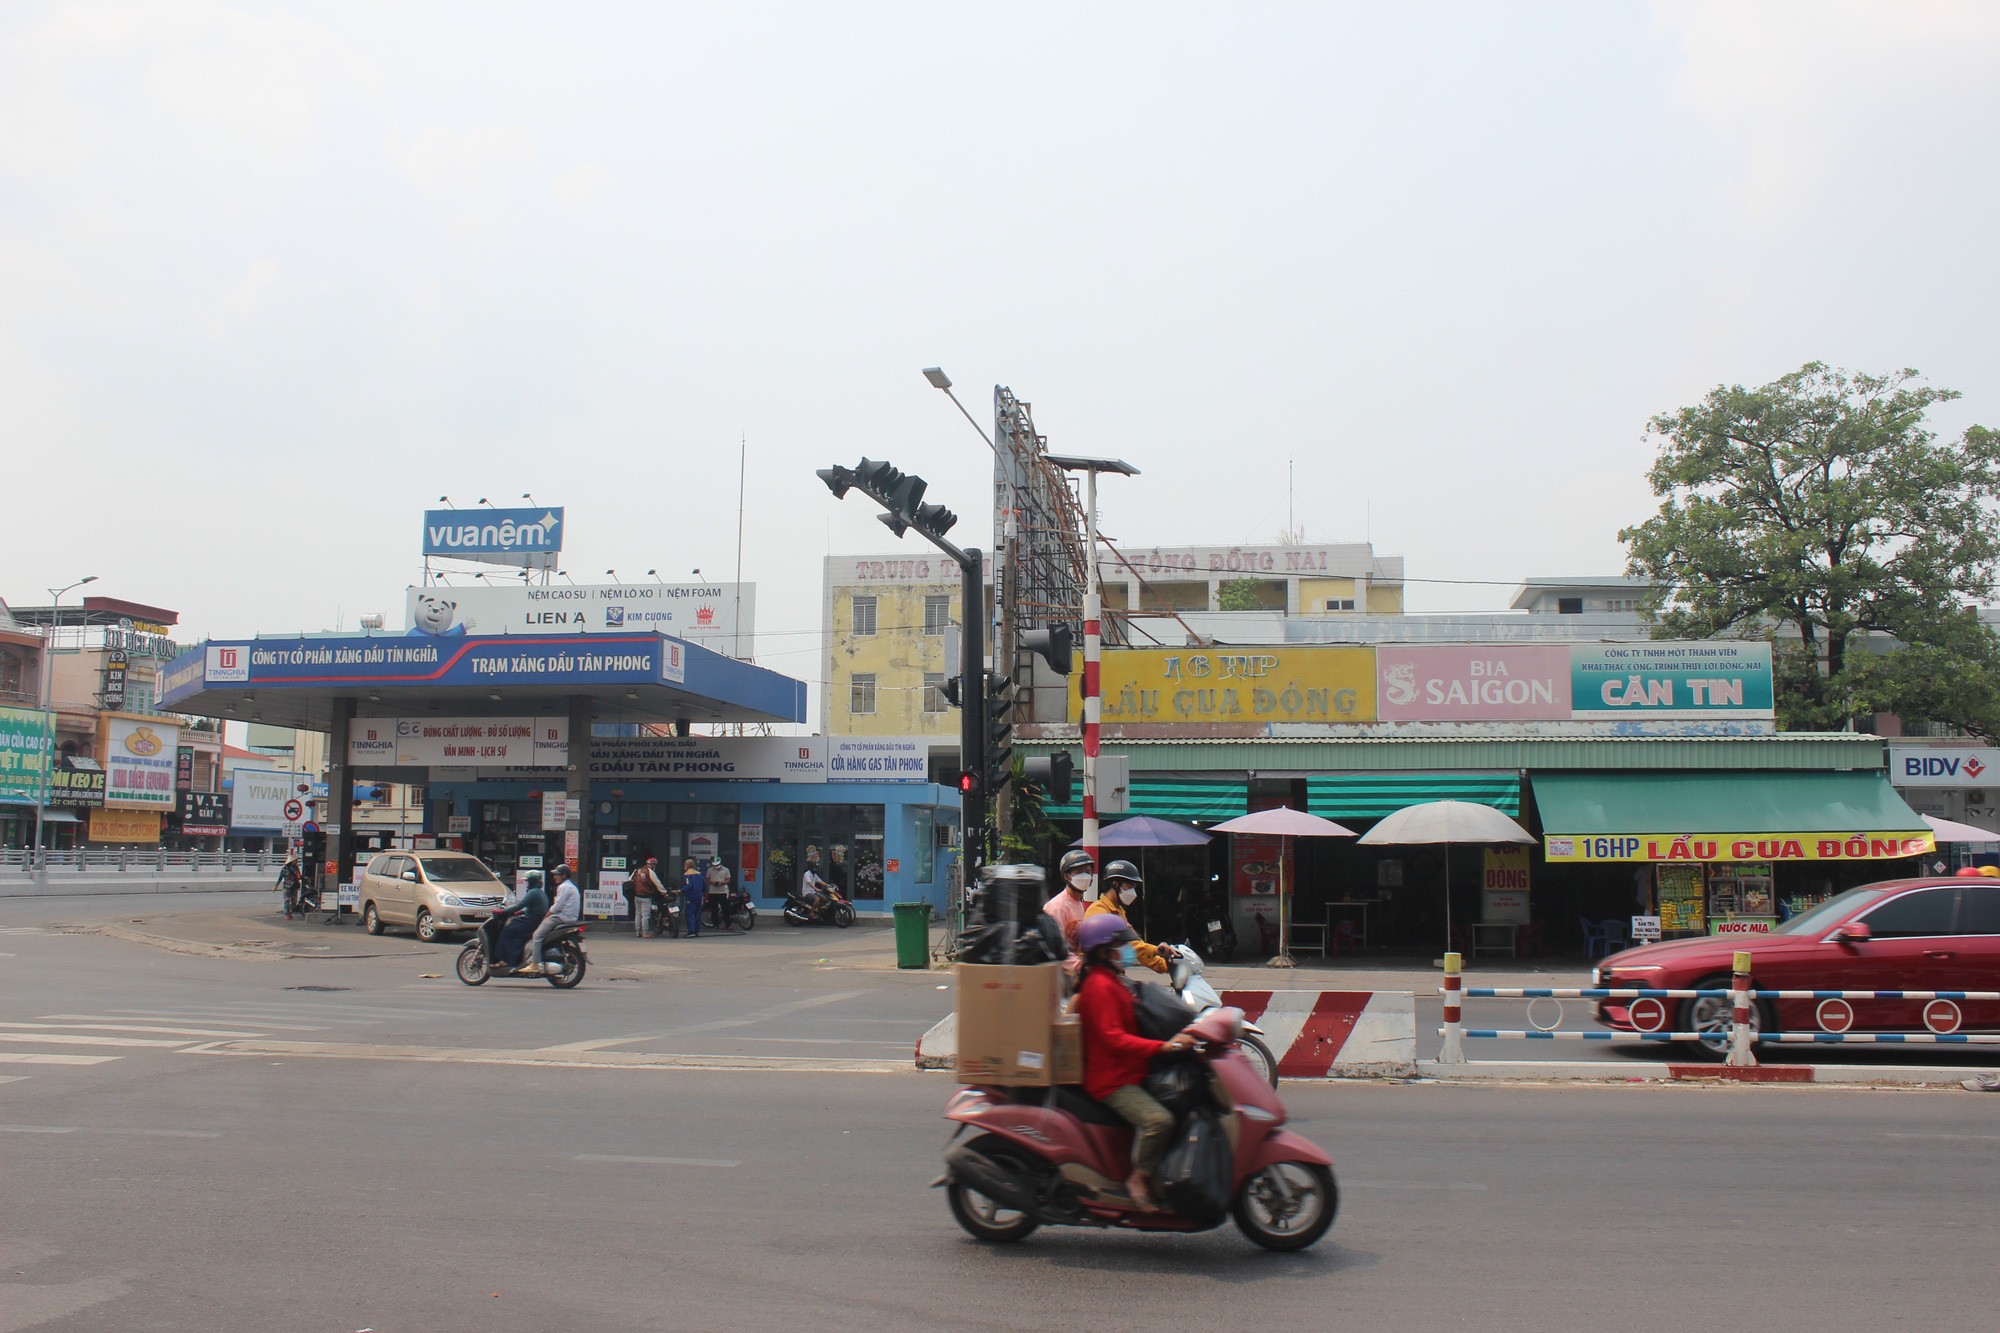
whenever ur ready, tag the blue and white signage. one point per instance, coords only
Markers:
(879, 759)
(599, 659)
(503, 535)
(1941, 766)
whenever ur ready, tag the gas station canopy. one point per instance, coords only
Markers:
(306, 681)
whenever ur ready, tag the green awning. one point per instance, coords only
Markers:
(1171, 798)
(1726, 817)
(1372, 795)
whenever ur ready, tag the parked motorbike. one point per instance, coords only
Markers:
(827, 906)
(1191, 983)
(564, 958)
(660, 918)
(1023, 1158)
(301, 895)
(1205, 920)
(732, 909)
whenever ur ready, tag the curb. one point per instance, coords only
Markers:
(1651, 1071)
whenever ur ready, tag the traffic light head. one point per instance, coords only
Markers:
(1052, 774)
(837, 479)
(954, 691)
(1055, 645)
(968, 783)
(999, 732)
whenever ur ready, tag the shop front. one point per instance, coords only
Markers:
(1729, 853)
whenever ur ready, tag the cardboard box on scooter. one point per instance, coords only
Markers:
(1007, 1024)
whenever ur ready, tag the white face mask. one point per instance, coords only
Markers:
(1127, 894)
(1080, 882)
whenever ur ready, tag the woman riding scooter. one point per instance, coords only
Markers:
(508, 929)
(1115, 1056)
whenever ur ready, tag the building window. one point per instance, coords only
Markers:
(864, 620)
(861, 692)
(1340, 603)
(934, 692)
(1569, 606)
(937, 613)
(138, 697)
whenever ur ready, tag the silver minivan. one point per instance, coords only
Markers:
(433, 893)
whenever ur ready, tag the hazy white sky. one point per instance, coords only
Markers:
(274, 277)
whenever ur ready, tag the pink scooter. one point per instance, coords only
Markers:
(1025, 1157)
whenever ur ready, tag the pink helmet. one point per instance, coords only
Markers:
(1102, 929)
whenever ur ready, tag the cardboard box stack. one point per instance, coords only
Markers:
(1011, 1028)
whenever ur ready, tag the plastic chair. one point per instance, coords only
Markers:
(1613, 932)
(1344, 938)
(1595, 941)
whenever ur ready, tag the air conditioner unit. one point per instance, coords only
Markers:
(1976, 796)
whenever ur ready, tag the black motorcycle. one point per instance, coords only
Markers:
(660, 916)
(302, 895)
(563, 946)
(1205, 921)
(733, 909)
(826, 907)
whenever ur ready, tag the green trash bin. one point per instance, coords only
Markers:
(913, 934)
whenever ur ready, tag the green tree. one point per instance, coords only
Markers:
(1237, 595)
(1821, 512)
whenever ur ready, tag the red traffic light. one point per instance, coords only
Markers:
(968, 783)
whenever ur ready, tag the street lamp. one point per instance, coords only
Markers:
(49, 719)
(1093, 614)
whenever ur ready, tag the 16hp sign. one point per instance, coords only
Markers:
(1958, 766)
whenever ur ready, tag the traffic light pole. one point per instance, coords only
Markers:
(973, 841)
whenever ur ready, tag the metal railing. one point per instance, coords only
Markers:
(135, 859)
(1649, 1016)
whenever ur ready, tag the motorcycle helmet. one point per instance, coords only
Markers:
(1102, 929)
(1124, 870)
(1076, 862)
(533, 880)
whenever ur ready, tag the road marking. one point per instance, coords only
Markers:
(42, 1058)
(651, 1161)
(129, 1027)
(1412, 1185)
(199, 1016)
(830, 1041)
(13, 1078)
(1977, 1138)
(720, 1024)
(78, 1039)
(94, 1129)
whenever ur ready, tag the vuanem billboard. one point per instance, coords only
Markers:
(530, 538)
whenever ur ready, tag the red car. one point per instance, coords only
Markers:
(1901, 935)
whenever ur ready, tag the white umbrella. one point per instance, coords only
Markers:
(1286, 824)
(1446, 822)
(1950, 830)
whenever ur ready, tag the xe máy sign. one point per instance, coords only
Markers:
(1739, 847)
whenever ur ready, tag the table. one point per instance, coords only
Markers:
(1359, 906)
(1506, 933)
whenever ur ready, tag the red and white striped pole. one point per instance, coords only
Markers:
(1453, 1051)
(1742, 1052)
(1093, 613)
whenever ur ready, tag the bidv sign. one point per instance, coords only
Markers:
(1913, 766)
(503, 535)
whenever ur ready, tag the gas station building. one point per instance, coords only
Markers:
(579, 747)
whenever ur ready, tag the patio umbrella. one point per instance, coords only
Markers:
(1446, 822)
(1950, 830)
(1143, 831)
(1284, 823)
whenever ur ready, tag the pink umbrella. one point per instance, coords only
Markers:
(1286, 823)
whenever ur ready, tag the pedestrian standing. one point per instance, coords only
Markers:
(649, 897)
(718, 889)
(694, 887)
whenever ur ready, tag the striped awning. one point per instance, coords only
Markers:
(1372, 795)
(1170, 797)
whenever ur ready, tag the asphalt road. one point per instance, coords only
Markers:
(422, 1156)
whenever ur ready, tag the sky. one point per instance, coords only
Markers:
(275, 277)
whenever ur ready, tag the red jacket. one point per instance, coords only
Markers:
(1114, 1054)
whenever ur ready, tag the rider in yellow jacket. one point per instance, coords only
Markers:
(1119, 889)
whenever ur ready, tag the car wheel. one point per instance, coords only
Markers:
(427, 929)
(371, 920)
(1713, 1015)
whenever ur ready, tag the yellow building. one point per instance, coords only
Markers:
(1328, 579)
(889, 629)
